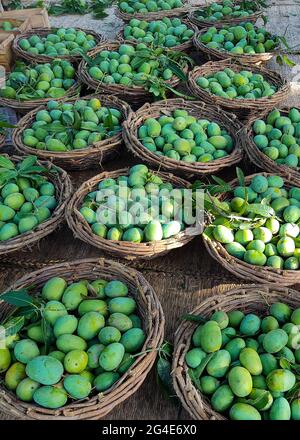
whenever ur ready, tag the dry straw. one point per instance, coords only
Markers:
(249, 299)
(246, 271)
(149, 309)
(2, 139)
(159, 15)
(84, 158)
(136, 95)
(244, 108)
(183, 47)
(63, 191)
(197, 109)
(215, 54)
(260, 159)
(43, 32)
(124, 249)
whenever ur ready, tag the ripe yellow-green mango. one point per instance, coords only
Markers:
(54, 289)
(66, 343)
(111, 357)
(243, 411)
(240, 381)
(219, 364)
(90, 324)
(93, 305)
(26, 389)
(65, 325)
(53, 310)
(120, 321)
(222, 398)
(73, 295)
(76, 361)
(281, 380)
(14, 375)
(50, 397)
(221, 318)
(210, 337)
(5, 359)
(250, 359)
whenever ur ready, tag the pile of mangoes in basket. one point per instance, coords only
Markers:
(145, 6)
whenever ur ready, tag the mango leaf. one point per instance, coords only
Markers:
(240, 176)
(28, 162)
(293, 392)
(4, 124)
(108, 121)
(14, 325)
(47, 334)
(284, 363)
(6, 163)
(208, 232)
(177, 70)
(19, 298)
(200, 369)
(260, 402)
(262, 210)
(195, 318)
(194, 378)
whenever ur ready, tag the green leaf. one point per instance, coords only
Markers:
(240, 176)
(14, 325)
(177, 70)
(258, 403)
(262, 210)
(287, 61)
(108, 121)
(200, 369)
(28, 162)
(279, 60)
(194, 378)
(195, 318)
(19, 298)
(6, 163)
(47, 334)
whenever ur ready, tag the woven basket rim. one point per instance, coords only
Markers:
(96, 152)
(180, 47)
(63, 186)
(134, 94)
(128, 250)
(176, 12)
(99, 38)
(2, 139)
(151, 311)
(221, 55)
(241, 269)
(248, 297)
(259, 158)
(195, 168)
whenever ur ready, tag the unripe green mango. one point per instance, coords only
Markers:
(275, 340)
(54, 289)
(282, 312)
(243, 411)
(234, 348)
(115, 288)
(50, 397)
(133, 340)
(219, 364)
(210, 337)
(221, 318)
(235, 318)
(93, 355)
(26, 389)
(250, 324)
(269, 363)
(45, 369)
(280, 409)
(92, 305)
(111, 356)
(90, 324)
(35, 332)
(209, 384)
(122, 305)
(196, 336)
(240, 381)
(25, 350)
(78, 387)
(222, 398)
(108, 335)
(66, 343)
(295, 407)
(53, 311)
(281, 380)
(5, 359)
(73, 295)
(194, 357)
(65, 325)
(105, 380)
(120, 321)
(14, 375)
(250, 359)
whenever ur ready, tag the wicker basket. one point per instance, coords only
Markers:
(149, 16)
(90, 157)
(42, 32)
(26, 106)
(150, 310)
(260, 159)
(248, 298)
(246, 271)
(244, 108)
(2, 139)
(230, 21)
(63, 187)
(214, 54)
(198, 109)
(124, 249)
(183, 47)
(135, 95)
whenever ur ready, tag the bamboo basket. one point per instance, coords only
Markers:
(214, 54)
(149, 16)
(63, 187)
(149, 308)
(260, 159)
(197, 109)
(21, 25)
(124, 249)
(246, 271)
(135, 95)
(27, 106)
(243, 108)
(183, 47)
(228, 20)
(254, 298)
(90, 157)
(42, 32)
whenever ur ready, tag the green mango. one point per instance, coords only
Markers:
(14, 375)
(26, 389)
(240, 381)
(53, 311)
(90, 324)
(120, 321)
(210, 337)
(111, 356)
(65, 325)
(45, 370)
(281, 380)
(250, 359)
(122, 305)
(222, 398)
(243, 411)
(66, 343)
(219, 364)
(280, 409)
(25, 350)
(50, 397)
(54, 288)
(105, 380)
(93, 355)
(93, 305)
(108, 335)
(133, 340)
(77, 387)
